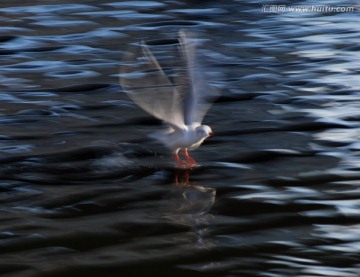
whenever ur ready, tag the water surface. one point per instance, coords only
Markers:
(84, 192)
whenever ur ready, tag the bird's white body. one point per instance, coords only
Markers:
(190, 137)
(181, 105)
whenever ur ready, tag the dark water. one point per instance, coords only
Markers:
(84, 193)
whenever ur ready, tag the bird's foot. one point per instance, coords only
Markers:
(189, 160)
(185, 164)
(180, 163)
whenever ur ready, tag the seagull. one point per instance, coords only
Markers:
(180, 101)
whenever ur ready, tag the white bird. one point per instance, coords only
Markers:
(181, 103)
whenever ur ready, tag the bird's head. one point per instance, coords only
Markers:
(203, 131)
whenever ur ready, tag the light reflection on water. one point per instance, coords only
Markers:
(84, 192)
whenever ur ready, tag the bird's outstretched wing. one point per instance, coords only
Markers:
(182, 102)
(146, 84)
(198, 95)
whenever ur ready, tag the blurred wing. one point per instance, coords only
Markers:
(198, 95)
(146, 84)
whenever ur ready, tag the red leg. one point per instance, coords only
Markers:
(191, 161)
(178, 161)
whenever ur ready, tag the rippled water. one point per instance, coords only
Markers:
(84, 192)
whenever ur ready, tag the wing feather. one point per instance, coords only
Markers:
(183, 100)
(199, 95)
(149, 88)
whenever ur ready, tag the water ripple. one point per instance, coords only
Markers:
(85, 192)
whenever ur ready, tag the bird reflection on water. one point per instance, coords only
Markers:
(189, 204)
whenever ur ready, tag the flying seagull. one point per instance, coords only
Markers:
(180, 101)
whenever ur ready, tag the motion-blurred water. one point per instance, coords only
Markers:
(84, 193)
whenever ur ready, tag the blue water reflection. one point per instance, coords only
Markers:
(85, 192)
